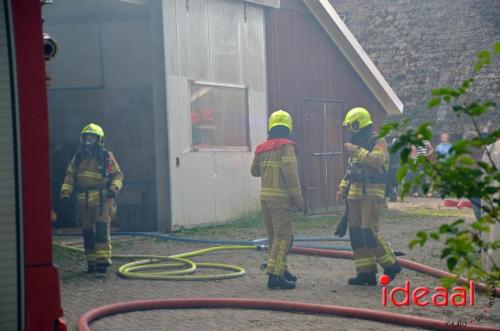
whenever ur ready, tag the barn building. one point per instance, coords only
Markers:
(183, 88)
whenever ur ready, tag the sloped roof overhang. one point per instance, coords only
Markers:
(345, 41)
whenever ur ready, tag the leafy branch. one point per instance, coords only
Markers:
(459, 175)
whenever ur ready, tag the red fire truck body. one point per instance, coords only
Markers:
(29, 287)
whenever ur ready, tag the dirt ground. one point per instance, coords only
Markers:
(321, 280)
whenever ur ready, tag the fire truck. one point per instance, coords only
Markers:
(29, 283)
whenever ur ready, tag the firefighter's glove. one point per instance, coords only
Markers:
(110, 194)
(65, 207)
(350, 148)
(342, 227)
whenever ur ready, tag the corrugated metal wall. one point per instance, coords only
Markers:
(217, 41)
(9, 280)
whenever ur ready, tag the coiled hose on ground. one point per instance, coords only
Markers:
(155, 262)
(158, 267)
(290, 306)
(142, 268)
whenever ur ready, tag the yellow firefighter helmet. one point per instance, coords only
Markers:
(94, 129)
(280, 117)
(357, 119)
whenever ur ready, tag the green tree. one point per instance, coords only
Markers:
(457, 176)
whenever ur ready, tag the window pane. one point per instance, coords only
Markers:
(218, 116)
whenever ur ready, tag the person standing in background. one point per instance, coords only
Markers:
(443, 148)
(426, 150)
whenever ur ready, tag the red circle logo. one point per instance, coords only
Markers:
(384, 280)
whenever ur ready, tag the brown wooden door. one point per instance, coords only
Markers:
(321, 155)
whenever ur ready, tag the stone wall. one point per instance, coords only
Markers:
(426, 44)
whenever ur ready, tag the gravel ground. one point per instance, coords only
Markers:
(321, 280)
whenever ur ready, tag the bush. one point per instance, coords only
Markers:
(457, 176)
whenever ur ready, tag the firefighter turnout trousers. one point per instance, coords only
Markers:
(278, 218)
(368, 246)
(95, 221)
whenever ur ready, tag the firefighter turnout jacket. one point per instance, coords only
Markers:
(373, 166)
(89, 177)
(275, 162)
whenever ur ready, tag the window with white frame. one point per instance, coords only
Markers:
(219, 116)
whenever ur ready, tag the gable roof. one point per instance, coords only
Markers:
(345, 41)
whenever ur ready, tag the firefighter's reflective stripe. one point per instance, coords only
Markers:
(70, 170)
(343, 185)
(279, 172)
(91, 258)
(374, 163)
(85, 175)
(278, 218)
(270, 265)
(365, 212)
(286, 159)
(388, 258)
(104, 260)
(372, 190)
(67, 187)
(356, 190)
(92, 198)
(117, 184)
(364, 262)
(103, 253)
(116, 173)
(270, 192)
(280, 266)
(90, 175)
(360, 154)
(270, 164)
(103, 257)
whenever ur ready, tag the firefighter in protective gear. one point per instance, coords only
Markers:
(95, 178)
(275, 162)
(364, 188)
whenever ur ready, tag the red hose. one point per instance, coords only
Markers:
(290, 306)
(404, 263)
(287, 306)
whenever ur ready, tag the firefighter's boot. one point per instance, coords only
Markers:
(289, 276)
(392, 270)
(279, 282)
(363, 278)
(91, 268)
(101, 268)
